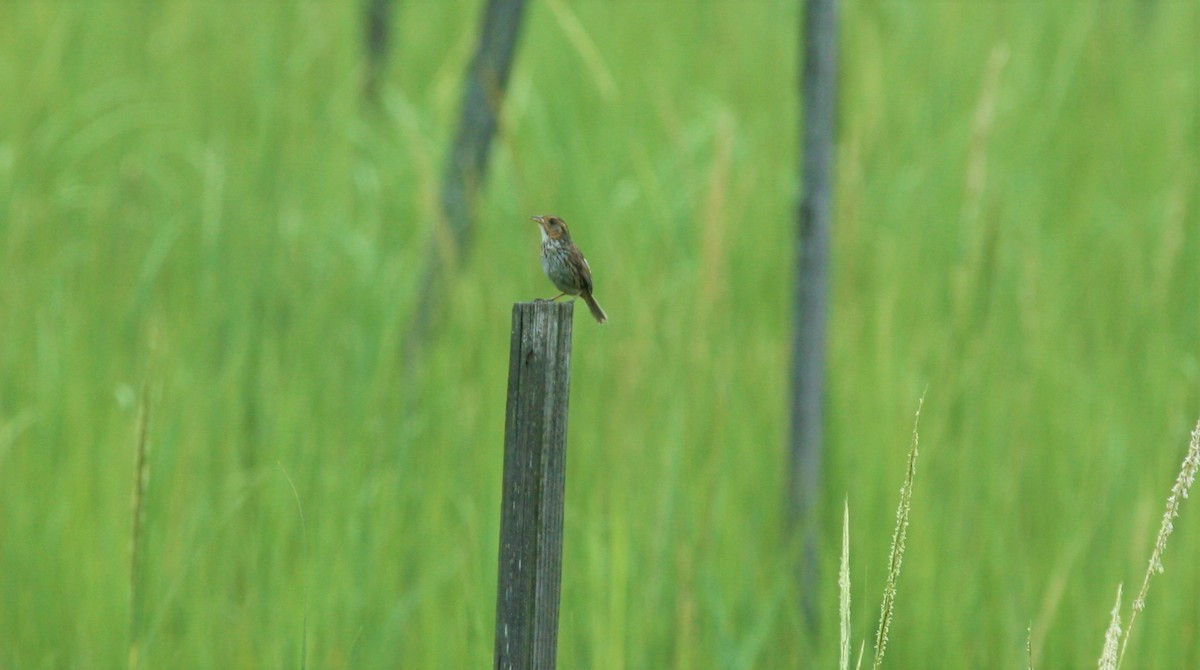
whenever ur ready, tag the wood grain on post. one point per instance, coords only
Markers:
(531, 517)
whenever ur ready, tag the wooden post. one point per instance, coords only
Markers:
(811, 295)
(479, 117)
(531, 516)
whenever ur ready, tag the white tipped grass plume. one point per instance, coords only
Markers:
(1029, 646)
(844, 588)
(899, 537)
(1179, 492)
(1112, 636)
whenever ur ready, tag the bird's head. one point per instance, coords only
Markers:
(553, 228)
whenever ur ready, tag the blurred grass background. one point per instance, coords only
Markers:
(194, 191)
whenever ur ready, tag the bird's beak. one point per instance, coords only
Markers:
(539, 219)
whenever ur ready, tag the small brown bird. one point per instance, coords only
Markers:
(565, 265)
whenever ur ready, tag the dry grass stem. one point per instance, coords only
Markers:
(1179, 492)
(899, 537)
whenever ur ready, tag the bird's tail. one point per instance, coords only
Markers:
(597, 312)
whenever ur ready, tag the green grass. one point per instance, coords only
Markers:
(194, 188)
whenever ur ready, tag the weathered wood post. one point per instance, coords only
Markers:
(535, 465)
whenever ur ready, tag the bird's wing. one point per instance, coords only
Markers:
(585, 278)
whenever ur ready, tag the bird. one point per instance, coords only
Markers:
(565, 265)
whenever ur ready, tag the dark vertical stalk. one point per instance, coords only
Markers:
(818, 87)
(377, 35)
(487, 81)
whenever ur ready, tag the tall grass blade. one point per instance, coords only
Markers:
(141, 478)
(304, 550)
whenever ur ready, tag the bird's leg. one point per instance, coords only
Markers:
(551, 299)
